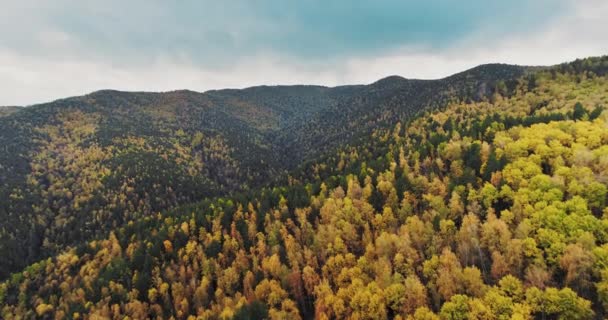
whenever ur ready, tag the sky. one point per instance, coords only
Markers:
(60, 48)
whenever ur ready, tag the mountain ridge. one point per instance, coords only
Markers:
(387, 78)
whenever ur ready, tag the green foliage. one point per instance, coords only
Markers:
(252, 311)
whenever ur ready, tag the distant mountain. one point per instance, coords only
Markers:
(388, 101)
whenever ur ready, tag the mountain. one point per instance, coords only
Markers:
(480, 194)
(76, 168)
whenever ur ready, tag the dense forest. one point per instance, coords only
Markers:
(478, 196)
(74, 169)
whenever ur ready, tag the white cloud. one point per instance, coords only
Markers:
(579, 34)
(27, 79)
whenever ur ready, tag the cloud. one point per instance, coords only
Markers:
(51, 50)
(565, 38)
(211, 32)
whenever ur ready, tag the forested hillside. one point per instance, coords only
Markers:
(74, 169)
(5, 111)
(479, 196)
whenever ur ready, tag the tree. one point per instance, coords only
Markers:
(578, 264)
(579, 111)
(473, 282)
(251, 311)
(564, 303)
(456, 309)
(270, 292)
(495, 234)
(369, 303)
(415, 295)
(406, 297)
(449, 275)
(468, 243)
(456, 206)
(602, 290)
(423, 313)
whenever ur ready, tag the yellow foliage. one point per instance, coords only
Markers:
(43, 309)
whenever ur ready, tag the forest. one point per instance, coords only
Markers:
(74, 169)
(479, 196)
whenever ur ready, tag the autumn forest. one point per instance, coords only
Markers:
(482, 195)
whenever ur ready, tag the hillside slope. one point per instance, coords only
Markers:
(491, 209)
(76, 168)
